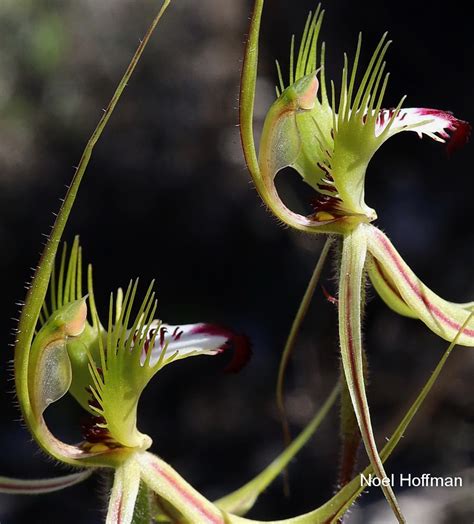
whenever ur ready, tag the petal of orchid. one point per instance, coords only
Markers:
(124, 493)
(40, 486)
(178, 342)
(352, 267)
(441, 126)
(161, 478)
(262, 169)
(442, 317)
(49, 378)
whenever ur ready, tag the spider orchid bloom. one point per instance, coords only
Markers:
(330, 141)
(106, 370)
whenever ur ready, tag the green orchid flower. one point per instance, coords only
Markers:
(329, 140)
(105, 370)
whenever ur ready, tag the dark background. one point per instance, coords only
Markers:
(167, 195)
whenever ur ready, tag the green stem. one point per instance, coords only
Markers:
(142, 512)
(290, 343)
(350, 437)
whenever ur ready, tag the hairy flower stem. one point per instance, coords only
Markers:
(142, 513)
(350, 438)
(290, 343)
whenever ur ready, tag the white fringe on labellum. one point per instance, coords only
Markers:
(197, 339)
(441, 126)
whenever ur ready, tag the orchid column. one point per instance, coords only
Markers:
(329, 140)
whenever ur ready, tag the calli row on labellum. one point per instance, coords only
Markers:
(329, 140)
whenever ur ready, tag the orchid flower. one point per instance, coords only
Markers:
(329, 140)
(105, 370)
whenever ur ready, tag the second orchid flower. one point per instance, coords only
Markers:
(329, 140)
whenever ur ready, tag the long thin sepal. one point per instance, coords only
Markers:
(442, 317)
(248, 84)
(164, 480)
(352, 267)
(124, 493)
(40, 486)
(196, 509)
(333, 509)
(37, 291)
(242, 500)
(144, 506)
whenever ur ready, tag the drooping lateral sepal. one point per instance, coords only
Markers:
(442, 317)
(350, 295)
(186, 501)
(343, 500)
(350, 435)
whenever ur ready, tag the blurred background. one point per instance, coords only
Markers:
(167, 196)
